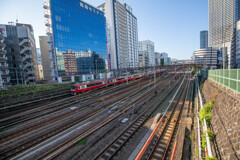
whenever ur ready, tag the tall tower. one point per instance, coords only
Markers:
(203, 39)
(222, 13)
(123, 36)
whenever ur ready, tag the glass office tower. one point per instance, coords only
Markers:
(203, 39)
(77, 37)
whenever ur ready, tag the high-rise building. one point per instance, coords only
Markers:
(203, 39)
(123, 34)
(238, 45)
(75, 26)
(148, 46)
(21, 53)
(221, 15)
(4, 72)
(45, 57)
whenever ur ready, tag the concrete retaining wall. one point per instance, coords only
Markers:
(225, 119)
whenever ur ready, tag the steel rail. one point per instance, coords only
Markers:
(167, 131)
(140, 154)
(118, 143)
(91, 117)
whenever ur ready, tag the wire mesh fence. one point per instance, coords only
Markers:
(229, 77)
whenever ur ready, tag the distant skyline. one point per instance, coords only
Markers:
(173, 26)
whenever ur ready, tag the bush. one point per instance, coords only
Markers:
(210, 134)
(208, 158)
(204, 141)
(206, 112)
(192, 137)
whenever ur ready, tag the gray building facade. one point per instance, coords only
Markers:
(21, 53)
(45, 56)
(203, 39)
(4, 72)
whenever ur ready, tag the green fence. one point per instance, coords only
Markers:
(228, 77)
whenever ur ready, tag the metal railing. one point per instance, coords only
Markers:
(228, 77)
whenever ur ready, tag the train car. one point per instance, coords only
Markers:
(78, 88)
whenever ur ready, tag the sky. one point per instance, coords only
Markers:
(173, 25)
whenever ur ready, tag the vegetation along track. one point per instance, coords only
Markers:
(28, 144)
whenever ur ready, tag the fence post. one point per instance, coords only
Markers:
(237, 81)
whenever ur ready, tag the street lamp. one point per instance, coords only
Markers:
(224, 42)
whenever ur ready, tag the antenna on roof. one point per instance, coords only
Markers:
(16, 18)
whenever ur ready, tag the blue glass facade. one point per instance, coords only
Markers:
(79, 29)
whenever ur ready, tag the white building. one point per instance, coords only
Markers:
(149, 47)
(206, 57)
(123, 34)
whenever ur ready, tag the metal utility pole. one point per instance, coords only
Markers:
(155, 77)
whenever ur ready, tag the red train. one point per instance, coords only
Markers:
(78, 88)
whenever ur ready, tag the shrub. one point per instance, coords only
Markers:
(208, 158)
(197, 153)
(82, 142)
(206, 112)
(204, 141)
(192, 137)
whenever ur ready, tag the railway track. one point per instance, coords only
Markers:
(56, 106)
(110, 151)
(26, 145)
(68, 144)
(82, 106)
(162, 146)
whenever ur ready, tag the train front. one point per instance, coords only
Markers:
(73, 90)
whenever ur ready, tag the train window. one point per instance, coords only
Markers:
(120, 79)
(80, 87)
(73, 88)
(94, 84)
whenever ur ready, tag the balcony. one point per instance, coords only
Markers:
(27, 65)
(4, 67)
(48, 22)
(26, 57)
(4, 75)
(50, 48)
(50, 57)
(31, 77)
(3, 59)
(49, 39)
(24, 50)
(46, 13)
(25, 41)
(2, 45)
(3, 52)
(48, 31)
(46, 5)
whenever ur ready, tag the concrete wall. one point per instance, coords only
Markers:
(225, 120)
